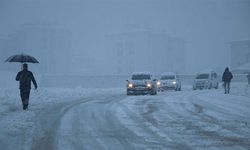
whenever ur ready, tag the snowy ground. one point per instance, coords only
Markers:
(80, 118)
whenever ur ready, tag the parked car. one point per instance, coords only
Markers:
(206, 80)
(141, 83)
(169, 81)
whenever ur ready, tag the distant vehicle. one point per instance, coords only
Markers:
(206, 80)
(169, 81)
(141, 83)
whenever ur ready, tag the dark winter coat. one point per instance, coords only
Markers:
(227, 76)
(25, 77)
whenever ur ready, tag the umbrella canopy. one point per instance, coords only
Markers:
(22, 58)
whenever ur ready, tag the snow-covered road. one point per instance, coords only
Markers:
(108, 119)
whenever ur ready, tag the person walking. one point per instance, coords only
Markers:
(25, 77)
(226, 78)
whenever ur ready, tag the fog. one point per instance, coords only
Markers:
(106, 37)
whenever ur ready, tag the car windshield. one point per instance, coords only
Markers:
(169, 77)
(141, 77)
(202, 76)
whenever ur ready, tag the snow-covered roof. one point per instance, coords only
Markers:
(141, 73)
(168, 73)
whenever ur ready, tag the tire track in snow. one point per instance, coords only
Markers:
(120, 122)
(141, 123)
(209, 128)
(101, 130)
(224, 133)
(47, 123)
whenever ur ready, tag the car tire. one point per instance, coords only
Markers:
(210, 86)
(217, 86)
(128, 94)
(154, 93)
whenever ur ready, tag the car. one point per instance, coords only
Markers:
(206, 80)
(169, 81)
(141, 83)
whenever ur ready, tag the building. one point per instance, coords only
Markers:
(50, 45)
(240, 54)
(145, 51)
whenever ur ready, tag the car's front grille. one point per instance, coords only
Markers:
(140, 86)
(200, 83)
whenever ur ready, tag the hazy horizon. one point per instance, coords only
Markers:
(206, 27)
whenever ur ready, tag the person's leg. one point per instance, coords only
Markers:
(26, 94)
(28, 97)
(228, 87)
(225, 87)
(22, 94)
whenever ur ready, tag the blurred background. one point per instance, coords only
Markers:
(118, 37)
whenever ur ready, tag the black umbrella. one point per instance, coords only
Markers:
(22, 58)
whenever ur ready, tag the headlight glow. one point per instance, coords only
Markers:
(158, 83)
(174, 82)
(130, 85)
(149, 85)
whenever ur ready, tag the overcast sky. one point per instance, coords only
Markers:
(206, 25)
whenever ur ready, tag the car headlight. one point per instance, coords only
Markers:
(174, 82)
(130, 85)
(158, 83)
(149, 85)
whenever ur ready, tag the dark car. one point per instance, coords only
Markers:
(141, 83)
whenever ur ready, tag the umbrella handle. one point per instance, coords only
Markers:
(21, 66)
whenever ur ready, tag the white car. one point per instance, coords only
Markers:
(169, 80)
(141, 83)
(206, 80)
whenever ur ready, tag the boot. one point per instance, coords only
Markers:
(25, 107)
(26, 104)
